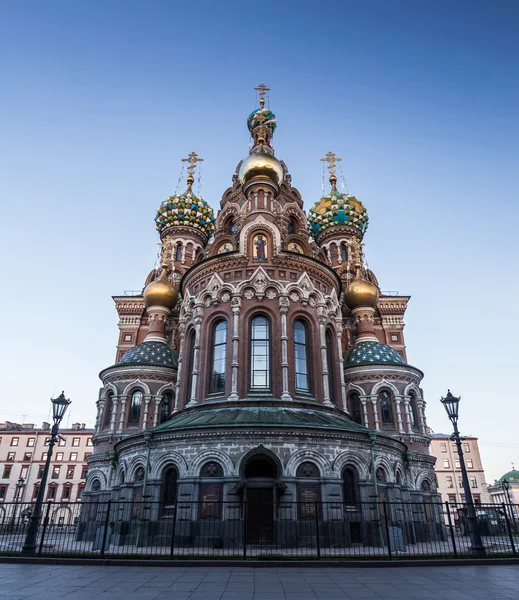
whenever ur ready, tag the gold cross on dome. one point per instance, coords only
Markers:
(192, 159)
(262, 89)
(331, 159)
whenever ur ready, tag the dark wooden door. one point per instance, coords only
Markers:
(260, 516)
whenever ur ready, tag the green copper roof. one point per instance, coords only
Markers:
(260, 416)
(157, 354)
(373, 353)
(511, 476)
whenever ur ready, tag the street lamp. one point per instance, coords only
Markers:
(505, 484)
(18, 487)
(59, 407)
(451, 404)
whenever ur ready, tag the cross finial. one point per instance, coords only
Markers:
(192, 159)
(331, 159)
(262, 89)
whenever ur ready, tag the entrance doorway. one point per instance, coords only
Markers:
(260, 473)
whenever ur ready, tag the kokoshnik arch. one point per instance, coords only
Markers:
(261, 361)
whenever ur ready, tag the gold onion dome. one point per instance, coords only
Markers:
(360, 293)
(161, 292)
(260, 165)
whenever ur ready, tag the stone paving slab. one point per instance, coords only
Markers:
(85, 582)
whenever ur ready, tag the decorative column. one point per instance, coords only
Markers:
(198, 313)
(321, 314)
(114, 413)
(124, 399)
(158, 402)
(398, 400)
(236, 308)
(147, 399)
(182, 330)
(284, 303)
(339, 329)
(100, 414)
(364, 401)
(408, 409)
(421, 412)
(374, 402)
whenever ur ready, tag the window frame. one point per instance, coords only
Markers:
(307, 354)
(131, 420)
(391, 422)
(353, 405)
(191, 343)
(268, 388)
(212, 389)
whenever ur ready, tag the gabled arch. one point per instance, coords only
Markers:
(135, 384)
(257, 225)
(302, 456)
(381, 462)
(215, 455)
(109, 387)
(354, 460)
(353, 387)
(380, 385)
(424, 476)
(93, 475)
(167, 387)
(412, 387)
(135, 463)
(258, 451)
(165, 460)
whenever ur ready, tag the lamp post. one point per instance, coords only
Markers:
(505, 484)
(18, 486)
(59, 407)
(451, 405)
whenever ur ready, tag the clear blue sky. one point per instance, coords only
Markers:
(100, 100)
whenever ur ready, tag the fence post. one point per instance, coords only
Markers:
(453, 537)
(318, 541)
(245, 529)
(172, 547)
(387, 528)
(45, 523)
(107, 520)
(509, 528)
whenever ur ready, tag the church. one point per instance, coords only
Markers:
(261, 366)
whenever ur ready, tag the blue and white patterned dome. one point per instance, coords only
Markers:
(157, 354)
(373, 353)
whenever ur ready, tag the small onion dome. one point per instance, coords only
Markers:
(260, 165)
(360, 293)
(337, 209)
(512, 477)
(373, 353)
(158, 354)
(186, 210)
(161, 292)
(269, 118)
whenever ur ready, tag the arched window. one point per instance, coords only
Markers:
(355, 408)
(211, 492)
(412, 409)
(380, 475)
(344, 252)
(260, 354)
(178, 252)
(292, 226)
(350, 486)
(308, 492)
(218, 358)
(109, 409)
(426, 486)
(189, 364)
(135, 408)
(385, 407)
(331, 366)
(301, 356)
(169, 490)
(165, 407)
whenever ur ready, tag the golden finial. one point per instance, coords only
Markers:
(331, 159)
(192, 159)
(262, 89)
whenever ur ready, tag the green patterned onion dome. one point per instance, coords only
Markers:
(337, 209)
(187, 210)
(269, 119)
(373, 353)
(157, 354)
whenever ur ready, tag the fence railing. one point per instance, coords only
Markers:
(245, 529)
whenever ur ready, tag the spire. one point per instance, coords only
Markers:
(332, 159)
(192, 159)
(262, 89)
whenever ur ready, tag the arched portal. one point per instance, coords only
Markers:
(260, 473)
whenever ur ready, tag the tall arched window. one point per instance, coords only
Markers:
(301, 356)
(386, 411)
(169, 490)
(165, 407)
(135, 408)
(178, 252)
(356, 408)
(109, 409)
(308, 490)
(260, 354)
(331, 367)
(344, 252)
(218, 358)
(189, 364)
(211, 491)
(350, 485)
(412, 409)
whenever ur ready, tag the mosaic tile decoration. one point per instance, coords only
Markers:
(373, 353)
(187, 210)
(158, 354)
(337, 209)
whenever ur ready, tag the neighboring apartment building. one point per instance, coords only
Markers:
(23, 451)
(448, 472)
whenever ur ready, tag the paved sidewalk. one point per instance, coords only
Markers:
(46, 582)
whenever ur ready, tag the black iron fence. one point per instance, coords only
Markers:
(240, 530)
